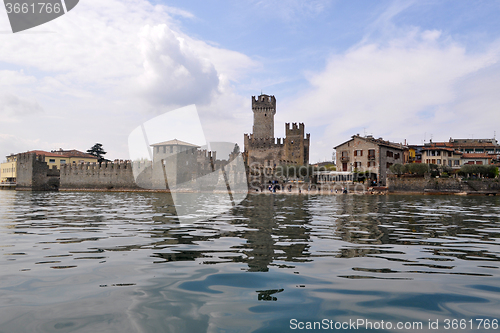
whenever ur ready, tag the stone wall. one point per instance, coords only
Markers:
(264, 109)
(33, 174)
(98, 176)
(482, 185)
(443, 185)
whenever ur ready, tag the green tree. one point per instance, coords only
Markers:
(418, 168)
(397, 169)
(489, 171)
(236, 149)
(98, 152)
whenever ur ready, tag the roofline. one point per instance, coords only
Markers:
(375, 141)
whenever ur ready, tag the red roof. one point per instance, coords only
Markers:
(438, 144)
(476, 155)
(438, 148)
(63, 153)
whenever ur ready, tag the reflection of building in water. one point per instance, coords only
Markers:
(266, 238)
(273, 238)
(358, 224)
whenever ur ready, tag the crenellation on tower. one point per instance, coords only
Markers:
(264, 109)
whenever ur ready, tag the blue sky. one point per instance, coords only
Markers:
(400, 70)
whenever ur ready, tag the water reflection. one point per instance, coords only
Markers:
(337, 256)
(263, 231)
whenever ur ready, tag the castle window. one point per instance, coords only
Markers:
(171, 149)
(265, 114)
(292, 142)
(52, 160)
(63, 162)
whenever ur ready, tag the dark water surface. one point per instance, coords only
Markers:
(121, 262)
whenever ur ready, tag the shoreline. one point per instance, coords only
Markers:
(314, 189)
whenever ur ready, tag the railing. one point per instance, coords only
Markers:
(344, 159)
(371, 157)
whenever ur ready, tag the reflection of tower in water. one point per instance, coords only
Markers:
(278, 230)
(275, 231)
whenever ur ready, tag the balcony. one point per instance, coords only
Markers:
(344, 159)
(371, 157)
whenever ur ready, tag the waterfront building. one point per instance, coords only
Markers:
(367, 154)
(477, 158)
(262, 148)
(476, 146)
(8, 169)
(414, 154)
(54, 158)
(58, 157)
(442, 154)
(175, 159)
(457, 152)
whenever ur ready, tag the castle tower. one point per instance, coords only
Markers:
(264, 109)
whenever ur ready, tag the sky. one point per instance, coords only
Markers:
(409, 71)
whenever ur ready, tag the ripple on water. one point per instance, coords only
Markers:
(109, 261)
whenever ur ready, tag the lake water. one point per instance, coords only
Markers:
(121, 262)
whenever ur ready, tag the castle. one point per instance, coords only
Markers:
(263, 149)
(176, 165)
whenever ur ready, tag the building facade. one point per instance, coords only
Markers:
(8, 169)
(175, 159)
(457, 152)
(367, 154)
(54, 158)
(262, 148)
(442, 155)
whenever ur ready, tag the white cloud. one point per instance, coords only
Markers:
(12, 107)
(15, 78)
(398, 89)
(173, 73)
(104, 66)
(13, 144)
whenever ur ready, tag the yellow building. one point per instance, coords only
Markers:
(53, 158)
(58, 157)
(8, 169)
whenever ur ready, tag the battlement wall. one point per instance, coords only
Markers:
(33, 173)
(255, 143)
(264, 102)
(117, 175)
(294, 129)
